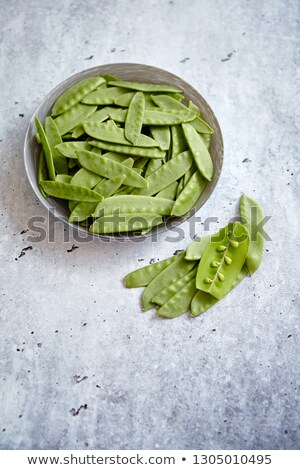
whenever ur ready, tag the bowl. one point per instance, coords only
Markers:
(130, 72)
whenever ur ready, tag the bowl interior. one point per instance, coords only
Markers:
(131, 72)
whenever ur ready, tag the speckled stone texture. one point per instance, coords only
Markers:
(72, 337)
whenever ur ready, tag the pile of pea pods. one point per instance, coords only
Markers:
(135, 148)
(206, 271)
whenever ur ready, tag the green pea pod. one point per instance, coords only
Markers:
(179, 143)
(146, 87)
(129, 149)
(61, 178)
(169, 192)
(206, 140)
(152, 166)
(46, 149)
(162, 135)
(252, 214)
(108, 168)
(189, 173)
(137, 204)
(154, 117)
(85, 178)
(125, 223)
(134, 118)
(165, 294)
(222, 260)
(189, 194)
(103, 96)
(54, 139)
(124, 100)
(106, 188)
(178, 268)
(72, 117)
(70, 191)
(200, 153)
(110, 132)
(75, 93)
(202, 301)
(69, 148)
(201, 126)
(143, 276)
(195, 249)
(167, 174)
(180, 302)
(42, 172)
(167, 103)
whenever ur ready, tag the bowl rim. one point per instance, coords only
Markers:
(79, 230)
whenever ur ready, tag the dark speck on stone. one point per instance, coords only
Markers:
(246, 160)
(39, 345)
(184, 60)
(177, 252)
(113, 49)
(24, 231)
(123, 50)
(228, 56)
(76, 412)
(21, 115)
(153, 260)
(23, 251)
(141, 259)
(74, 247)
(89, 58)
(289, 336)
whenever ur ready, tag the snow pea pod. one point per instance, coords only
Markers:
(129, 150)
(54, 138)
(252, 215)
(125, 223)
(201, 126)
(69, 148)
(61, 178)
(75, 93)
(202, 301)
(195, 249)
(189, 173)
(143, 276)
(42, 174)
(169, 192)
(179, 144)
(103, 96)
(189, 194)
(85, 178)
(206, 140)
(110, 132)
(98, 116)
(46, 149)
(154, 117)
(124, 100)
(200, 153)
(134, 118)
(133, 204)
(222, 260)
(105, 167)
(146, 87)
(165, 294)
(70, 191)
(180, 302)
(178, 268)
(106, 188)
(161, 135)
(167, 103)
(167, 174)
(153, 165)
(72, 117)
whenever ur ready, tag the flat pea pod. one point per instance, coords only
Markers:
(206, 140)
(180, 302)
(54, 139)
(46, 149)
(189, 194)
(75, 93)
(179, 143)
(178, 268)
(167, 103)
(189, 173)
(201, 126)
(110, 132)
(195, 108)
(146, 87)
(124, 100)
(165, 294)
(167, 174)
(202, 301)
(162, 135)
(134, 118)
(129, 150)
(69, 148)
(70, 191)
(222, 260)
(106, 188)
(125, 223)
(85, 178)
(42, 174)
(72, 117)
(196, 248)
(200, 153)
(133, 204)
(108, 168)
(62, 178)
(252, 215)
(154, 117)
(103, 96)
(153, 165)
(169, 192)
(143, 276)
(98, 116)
(116, 157)
(141, 162)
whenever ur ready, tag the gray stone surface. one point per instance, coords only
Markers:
(229, 379)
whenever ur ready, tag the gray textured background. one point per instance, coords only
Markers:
(229, 379)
